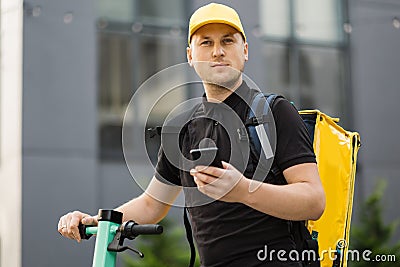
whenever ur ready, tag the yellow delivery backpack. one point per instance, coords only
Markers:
(336, 151)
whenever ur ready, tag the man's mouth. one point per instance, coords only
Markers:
(219, 65)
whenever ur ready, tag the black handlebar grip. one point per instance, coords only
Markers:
(82, 231)
(132, 229)
(147, 229)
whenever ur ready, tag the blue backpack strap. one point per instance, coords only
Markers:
(258, 116)
(258, 106)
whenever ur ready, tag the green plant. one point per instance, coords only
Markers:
(373, 234)
(168, 249)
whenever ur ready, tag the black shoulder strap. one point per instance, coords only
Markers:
(189, 236)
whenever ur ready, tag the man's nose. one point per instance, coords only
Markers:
(218, 50)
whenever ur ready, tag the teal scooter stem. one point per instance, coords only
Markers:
(109, 221)
(110, 235)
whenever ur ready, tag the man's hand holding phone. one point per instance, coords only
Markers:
(205, 157)
(216, 179)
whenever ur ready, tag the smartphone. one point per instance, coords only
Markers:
(205, 156)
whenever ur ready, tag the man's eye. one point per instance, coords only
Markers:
(205, 43)
(228, 41)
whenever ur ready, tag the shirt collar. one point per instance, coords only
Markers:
(236, 97)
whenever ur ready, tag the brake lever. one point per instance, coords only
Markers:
(116, 245)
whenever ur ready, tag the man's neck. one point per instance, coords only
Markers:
(217, 93)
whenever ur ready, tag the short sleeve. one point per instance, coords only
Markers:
(293, 141)
(165, 171)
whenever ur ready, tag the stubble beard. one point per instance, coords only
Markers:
(217, 84)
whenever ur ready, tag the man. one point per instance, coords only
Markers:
(238, 223)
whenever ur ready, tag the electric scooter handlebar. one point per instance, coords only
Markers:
(130, 229)
(82, 231)
(110, 235)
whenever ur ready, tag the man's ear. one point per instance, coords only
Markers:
(246, 51)
(189, 56)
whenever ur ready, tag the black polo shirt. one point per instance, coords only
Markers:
(231, 234)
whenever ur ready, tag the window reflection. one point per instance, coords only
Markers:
(136, 39)
(277, 72)
(317, 20)
(305, 52)
(323, 87)
(118, 11)
(304, 20)
(274, 20)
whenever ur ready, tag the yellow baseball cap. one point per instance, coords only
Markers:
(214, 13)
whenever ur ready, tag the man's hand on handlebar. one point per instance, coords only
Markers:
(68, 224)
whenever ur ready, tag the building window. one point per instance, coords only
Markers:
(305, 51)
(115, 89)
(321, 80)
(304, 20)
(136, 39)
(318, 21)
